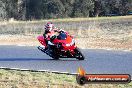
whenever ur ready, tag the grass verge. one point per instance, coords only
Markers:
(71, 19)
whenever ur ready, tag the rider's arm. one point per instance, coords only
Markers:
(45, 34)
(59, 30)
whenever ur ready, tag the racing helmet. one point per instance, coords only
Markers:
(49, 26)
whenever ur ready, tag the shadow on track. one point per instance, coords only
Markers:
(22, 59)
(34, 59)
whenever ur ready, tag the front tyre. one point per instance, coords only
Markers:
(78, 54)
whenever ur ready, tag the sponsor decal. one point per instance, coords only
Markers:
(83, 78)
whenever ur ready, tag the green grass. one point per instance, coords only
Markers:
(108, 25)
(85, 19)
(72, 19)
(26, 78)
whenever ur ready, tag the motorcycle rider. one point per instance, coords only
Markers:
(50, 28)
(64, 45)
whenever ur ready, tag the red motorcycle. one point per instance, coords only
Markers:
(63, 46)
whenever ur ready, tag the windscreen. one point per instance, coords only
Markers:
(62, 36)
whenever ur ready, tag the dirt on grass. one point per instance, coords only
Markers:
(84, 43)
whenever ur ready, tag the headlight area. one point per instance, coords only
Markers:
(70, 44)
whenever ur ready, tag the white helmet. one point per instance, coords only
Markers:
(49, 26)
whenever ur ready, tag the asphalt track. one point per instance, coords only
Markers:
(96, 61)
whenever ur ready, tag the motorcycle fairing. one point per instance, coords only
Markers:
(42, 40)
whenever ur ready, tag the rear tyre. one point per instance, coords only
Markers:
(78, 54)
(55, 57)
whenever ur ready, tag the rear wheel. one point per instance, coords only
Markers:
(78, 54)
(55, 57)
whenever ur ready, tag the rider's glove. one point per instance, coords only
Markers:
(53, 37)
(61, 31)
(45, 36)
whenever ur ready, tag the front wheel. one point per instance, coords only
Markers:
(78, 54)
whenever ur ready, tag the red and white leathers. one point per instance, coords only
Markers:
(50, 30)
(48, 34)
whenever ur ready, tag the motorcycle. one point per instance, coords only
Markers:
(61, 46)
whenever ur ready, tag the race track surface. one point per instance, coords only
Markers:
(96, 60)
